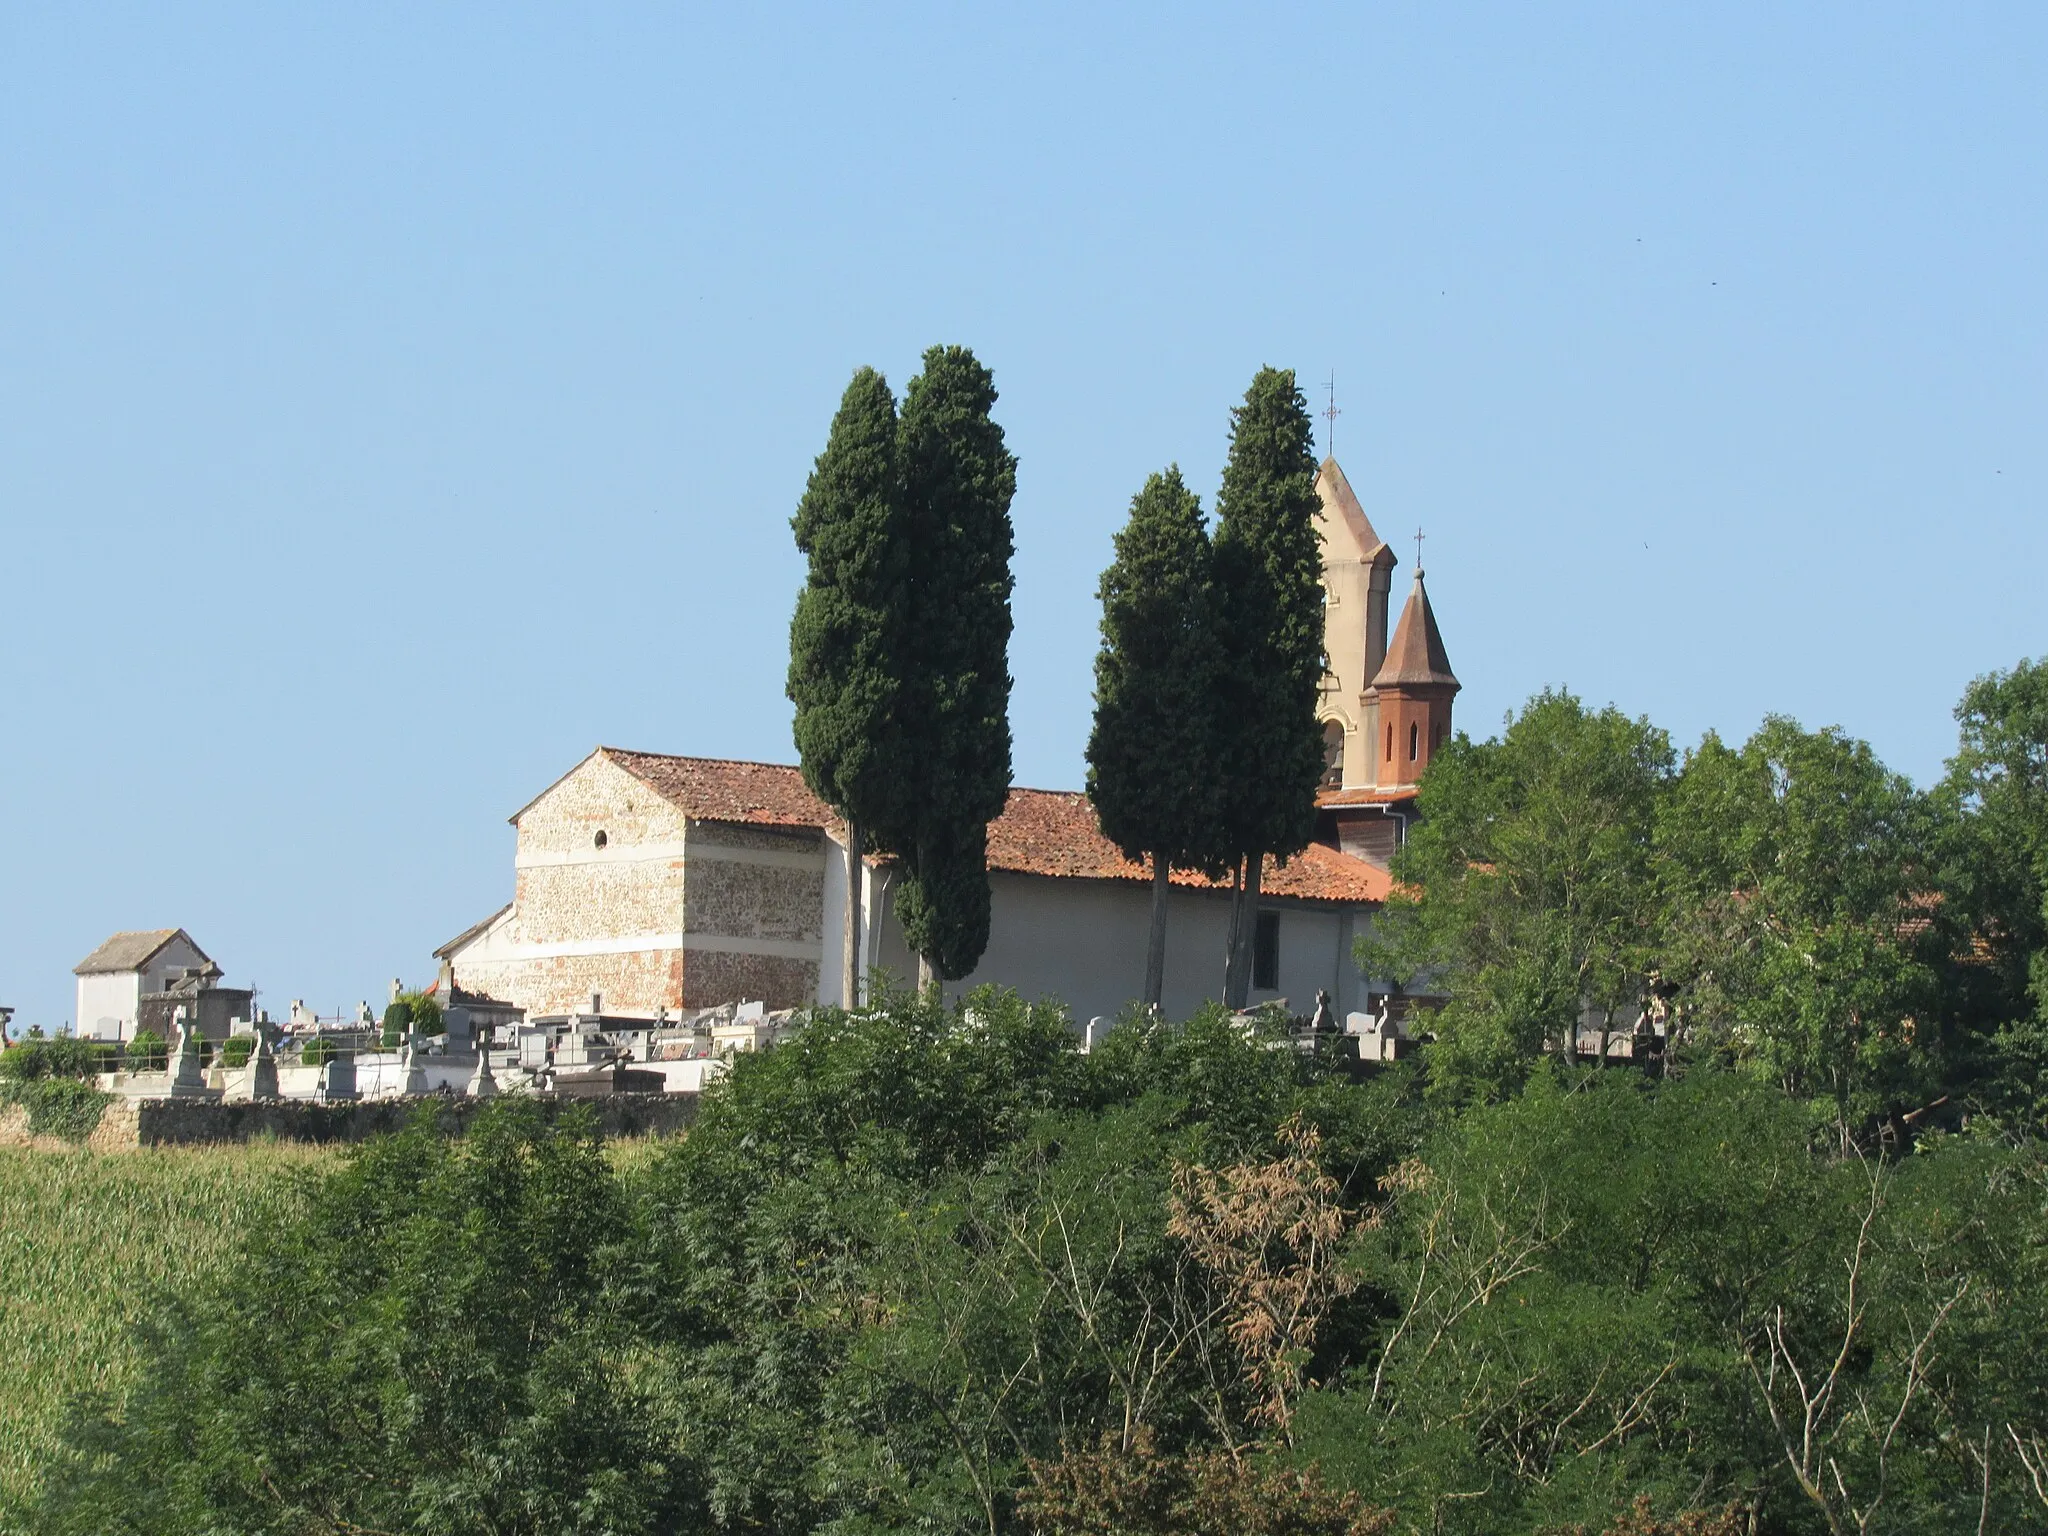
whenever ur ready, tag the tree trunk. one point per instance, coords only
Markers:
(1247, 928)
(1236, 923)
(850, 978)
(927, 975)
(1155, 946)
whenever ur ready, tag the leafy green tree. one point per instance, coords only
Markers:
(958, 478)
(1528, 890)
(1151, 771)
(1269, 567)
(1993, 810)
(1799, 931)
(846, 641)
(397, 1023)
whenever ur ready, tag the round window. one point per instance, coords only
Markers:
(601, 839)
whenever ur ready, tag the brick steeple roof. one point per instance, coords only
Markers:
(1416, 656)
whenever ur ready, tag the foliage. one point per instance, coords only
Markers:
(933, 1268)
(1606, 1291)
(236, 1050)
(1796, 892)
(1151, 772)
(318, 1051)
(1994, 881)
(1270, 1233)
(1269, 568)
(57, 1106)
(397, 1022)
(147, 1051)
(846, 639)
(1528, 888)
(91, 1243)
(62, 1057)
(461, 1380)
(1139, 1492)
(957, 479)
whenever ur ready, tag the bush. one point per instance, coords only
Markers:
(147, 1052)
(34, 1060)
(236, 1050)
(397, 1019)
(57, 1106)
(318, 1051)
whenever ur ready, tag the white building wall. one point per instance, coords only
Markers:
(1082, 942)
(107, 1004)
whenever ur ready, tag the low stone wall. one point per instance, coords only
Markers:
(129, 1123)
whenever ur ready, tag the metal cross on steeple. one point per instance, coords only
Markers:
(1330, 415)
(1418, 549)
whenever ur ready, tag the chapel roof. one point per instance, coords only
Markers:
(132, 950)
(1040, 831)
(1415, 656)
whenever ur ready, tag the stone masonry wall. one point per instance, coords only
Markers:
(754, 915)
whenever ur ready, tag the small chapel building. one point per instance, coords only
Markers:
(645, 882)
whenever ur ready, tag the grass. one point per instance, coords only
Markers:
(88, 1241)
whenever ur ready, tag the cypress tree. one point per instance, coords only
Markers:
(1269, 578)
(1151, 773)
(958, 479)
(844, 667)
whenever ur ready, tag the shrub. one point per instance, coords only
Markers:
(318, 1051)
(397, 1019)
(34, 1060)
(236, 1050)
(147, 1052)
(426, 1013)
(57, 1106)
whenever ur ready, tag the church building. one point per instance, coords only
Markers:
(653, 882)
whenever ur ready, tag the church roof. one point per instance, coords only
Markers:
(1055, 832)
(713, 789)
(1415, 656)
(1040, 832)
(131, 951)
(1341, 503)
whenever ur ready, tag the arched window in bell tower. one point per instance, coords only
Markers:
(1333, 754)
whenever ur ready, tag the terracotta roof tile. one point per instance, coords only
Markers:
(713, 789)
(1041, 831)
(1054, 832)
(1399, 794)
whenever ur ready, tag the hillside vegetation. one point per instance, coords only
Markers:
(90, 1244)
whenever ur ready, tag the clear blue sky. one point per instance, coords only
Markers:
(397, 401)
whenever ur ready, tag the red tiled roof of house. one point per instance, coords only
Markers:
(1394, 795)
(1040, 832)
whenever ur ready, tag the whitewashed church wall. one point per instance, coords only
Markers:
(1082, 942)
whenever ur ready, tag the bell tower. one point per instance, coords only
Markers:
(1358, 572)
(1413, 690)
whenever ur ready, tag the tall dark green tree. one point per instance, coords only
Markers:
(1151, 770)
(1269, 571)
(845, 643)
(958, 478)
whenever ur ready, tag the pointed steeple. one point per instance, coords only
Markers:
(1416, 656)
